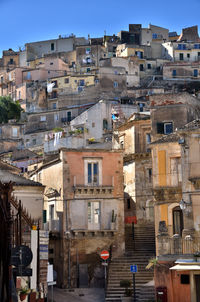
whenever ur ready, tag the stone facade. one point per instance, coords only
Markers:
(82, 211)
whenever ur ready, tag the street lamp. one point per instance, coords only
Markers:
(185, 206)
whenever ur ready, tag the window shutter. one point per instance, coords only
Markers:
(160, 128)
(44, 216)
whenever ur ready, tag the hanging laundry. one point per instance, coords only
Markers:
(50, 87)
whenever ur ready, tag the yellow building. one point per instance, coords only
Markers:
(72, 83)
(167, 180)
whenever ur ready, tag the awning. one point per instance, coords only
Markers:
(186, 267)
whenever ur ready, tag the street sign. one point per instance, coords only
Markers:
(133, 268)
(105, 255)
(21, 255)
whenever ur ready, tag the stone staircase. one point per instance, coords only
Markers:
(138, 251)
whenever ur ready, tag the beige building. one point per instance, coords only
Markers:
(134, 138)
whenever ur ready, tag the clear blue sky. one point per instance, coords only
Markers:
(25, 21)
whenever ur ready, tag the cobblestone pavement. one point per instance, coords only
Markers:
(78, 294)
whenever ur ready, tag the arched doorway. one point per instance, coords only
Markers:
(177, 221)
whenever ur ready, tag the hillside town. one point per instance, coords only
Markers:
(100, 168)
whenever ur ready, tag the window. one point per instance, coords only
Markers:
(54, 105)
(148, 141)
(154, 36)
(149, 174)
(51, 63)
(175, 171)
(115, 84)
(188, 55)
(69, 116)
(56, 117)
(181, 46)
(105, 124)
(53, 95)
(195, 73)
(52, 46)
(81, 82)
(14, 131)
(93, 125)
(185, 279)
(148, 66)
(174, 72)
(165, 128)
(88, 69)
(34, 141)
(11, 61)
(196, 46)
(19, 94)
(93, 171)
(116, 72)
(43, 118)
(66, 80)
(28, 76)
(55, 84)
(88, 50)
(141, 67)
(198, 54)
(51, 212)
(181, 56)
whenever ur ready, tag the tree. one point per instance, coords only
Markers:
(9, 109)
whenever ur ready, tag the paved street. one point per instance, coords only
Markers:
(79, 294)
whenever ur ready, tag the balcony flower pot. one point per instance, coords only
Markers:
(22, 296)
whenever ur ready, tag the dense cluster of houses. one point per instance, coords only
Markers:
(107, 144)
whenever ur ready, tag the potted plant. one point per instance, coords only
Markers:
(113, 220)
(23, 292)
(128, 291)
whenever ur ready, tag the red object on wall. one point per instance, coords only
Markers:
(130, 219)
(161, 294)
(32, 297)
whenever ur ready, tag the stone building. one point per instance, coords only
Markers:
(186, 71)
(86, 197)
(172, 110)
(134, 137)
(176, 192)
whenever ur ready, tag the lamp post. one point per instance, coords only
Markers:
(68, 237)
(186, 207)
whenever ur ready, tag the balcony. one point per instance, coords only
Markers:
(194, 174)
(102, 189)
(53, 226)
(176, 245)
(93, 233)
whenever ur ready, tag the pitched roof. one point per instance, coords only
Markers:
(170, 138)
(195, 124)
(23, 154)
(7, 176)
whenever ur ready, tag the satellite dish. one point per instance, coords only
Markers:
(21, 256)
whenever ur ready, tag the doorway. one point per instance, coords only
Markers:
(197, 282)
(93, 215)
(177, 221)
